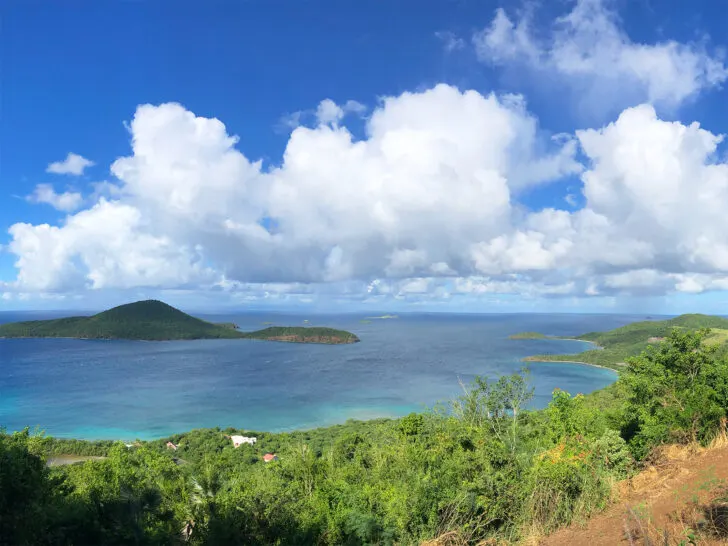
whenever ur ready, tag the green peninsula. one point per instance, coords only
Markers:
(613, 347)
(154, 320)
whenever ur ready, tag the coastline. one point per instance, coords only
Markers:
(581, 340)
(526, 359)
(594, 344)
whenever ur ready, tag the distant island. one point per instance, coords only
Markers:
(615, 346)
(383, 317)
(303, 334)
(154, 320)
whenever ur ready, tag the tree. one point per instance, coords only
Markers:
(25, 491)
(676, 391)
(496, 406)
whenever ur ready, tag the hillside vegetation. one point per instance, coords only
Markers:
(144, 320)
(299, 334)
(479, 469)
(154, 320)
(615, 346)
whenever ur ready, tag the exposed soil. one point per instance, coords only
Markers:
(658, 505)
(60, 460)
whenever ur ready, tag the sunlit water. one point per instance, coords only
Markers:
(136, 389)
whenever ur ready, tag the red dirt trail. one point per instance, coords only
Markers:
(656, 503)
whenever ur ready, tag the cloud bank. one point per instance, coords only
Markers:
(426, 203)
(588, 51)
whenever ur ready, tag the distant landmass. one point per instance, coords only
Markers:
(303, 334)
(615, 346)
(154, 320)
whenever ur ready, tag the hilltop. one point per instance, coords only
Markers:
(154, 320)
(615, 346)
(144, 320)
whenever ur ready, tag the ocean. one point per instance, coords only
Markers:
(145, 390)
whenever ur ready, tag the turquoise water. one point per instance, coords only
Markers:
(128, 389)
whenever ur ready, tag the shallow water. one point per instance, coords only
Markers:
(132, 389)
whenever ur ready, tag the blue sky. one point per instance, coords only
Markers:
(450, 155)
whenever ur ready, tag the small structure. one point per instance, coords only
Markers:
(240, 440)
(268, 457)
(170, 445)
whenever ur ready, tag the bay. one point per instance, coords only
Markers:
(135, 389)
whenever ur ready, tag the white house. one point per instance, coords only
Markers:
(240, 440)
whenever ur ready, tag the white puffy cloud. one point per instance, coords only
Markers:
(653, 221)
(607, 70)
(73, 164)
(107, 246)
(66, 201)
(424, 207)
(434, 176)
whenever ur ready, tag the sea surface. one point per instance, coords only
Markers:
(137, 389)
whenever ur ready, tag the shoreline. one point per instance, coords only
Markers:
(526, 359)
(594, 344)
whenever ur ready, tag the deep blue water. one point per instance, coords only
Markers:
(133, 389)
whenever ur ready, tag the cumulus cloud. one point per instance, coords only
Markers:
(588, 50)
(433, 177)
(424, 206)
(326, 113)
(343, 208)
(107, 246)
(73, 164)
(450, 41)
(66, 201)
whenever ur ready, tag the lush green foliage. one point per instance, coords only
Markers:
(621, 343)
(676, 391)
(69, 446)
(480, 466)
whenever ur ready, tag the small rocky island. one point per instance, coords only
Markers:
(154, 320)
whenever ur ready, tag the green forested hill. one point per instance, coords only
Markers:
(144, 320)
(154, 320)
(619, 344)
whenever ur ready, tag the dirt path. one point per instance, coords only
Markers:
(659, 503)
(60, 460)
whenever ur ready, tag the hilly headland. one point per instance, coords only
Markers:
(613, 347)
(153, 320)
